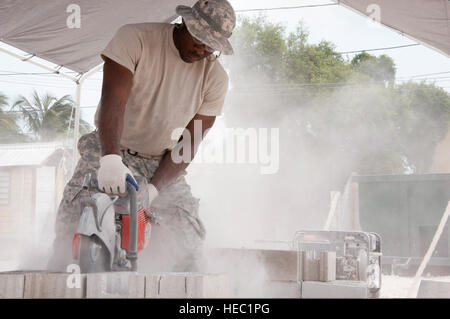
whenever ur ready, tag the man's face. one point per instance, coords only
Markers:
(191, 49)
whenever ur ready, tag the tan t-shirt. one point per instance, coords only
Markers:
(166, 92)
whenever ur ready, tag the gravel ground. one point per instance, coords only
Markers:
(397, 287)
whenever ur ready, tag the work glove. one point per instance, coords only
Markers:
(113, 175)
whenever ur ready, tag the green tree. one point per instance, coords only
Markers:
(260, 46)
(10, 131)
(47, 117)
(312, 63)
(349, 112)
(263, 49)
(380, 68)
(423, 121)
(270, 69)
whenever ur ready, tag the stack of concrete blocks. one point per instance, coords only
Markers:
(338, 289)
(281, 269)
(115, 285)
(53, 285)
(44, 285)
(258, 273)
(284, 271)
(181, 285)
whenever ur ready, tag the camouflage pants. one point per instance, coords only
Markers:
(175, 243)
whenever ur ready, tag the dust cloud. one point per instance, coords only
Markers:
(321, 143)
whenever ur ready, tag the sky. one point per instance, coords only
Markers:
(346, 29)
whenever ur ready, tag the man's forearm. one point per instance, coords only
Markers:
(117, 82)
(110, 126)
(167, 171)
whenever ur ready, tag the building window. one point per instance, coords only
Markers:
(5, 181)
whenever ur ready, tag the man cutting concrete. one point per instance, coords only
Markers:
(157, 78)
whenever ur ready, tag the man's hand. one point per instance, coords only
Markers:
(113, 175)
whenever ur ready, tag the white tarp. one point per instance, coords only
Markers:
(426, 21)
(40, 26)
(26, 154)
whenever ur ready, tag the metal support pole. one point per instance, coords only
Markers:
(45, 67)
(414, 289)
(76, 129)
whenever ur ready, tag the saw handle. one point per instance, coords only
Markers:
(131, 181)
(86, 181)
(133, 233)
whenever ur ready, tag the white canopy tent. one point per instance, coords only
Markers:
(425, 21)
(44, 28)
(48, 29)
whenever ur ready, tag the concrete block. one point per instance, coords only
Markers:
(310, 267)
(11, 286)
(434, 289)
(115, 285)
(187, 285)
(54, 285)
(339, 289)
(283, 289)
(300, 266)
(166, 285)
(208, 286)
(152, 286)
(327, 266)
(279, 265)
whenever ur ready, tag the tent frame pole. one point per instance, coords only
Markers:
(76, 129)
(45, 67)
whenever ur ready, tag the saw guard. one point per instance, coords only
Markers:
(102, 209)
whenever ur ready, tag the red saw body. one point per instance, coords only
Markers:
(144, 230)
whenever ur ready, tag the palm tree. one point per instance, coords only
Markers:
(9, 128)
(47, 117)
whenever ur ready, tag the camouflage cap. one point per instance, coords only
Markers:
(211, 22)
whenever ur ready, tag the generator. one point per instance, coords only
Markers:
(357, 255)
